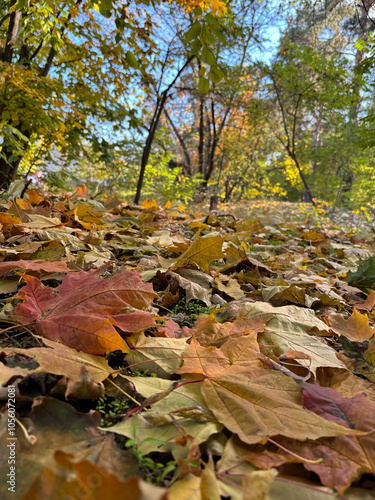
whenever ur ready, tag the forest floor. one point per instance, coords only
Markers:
(166, 352)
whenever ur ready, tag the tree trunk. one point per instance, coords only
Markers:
(160, 103)
(307, 195)
(201, 137)
(8, 168)
(213, 202)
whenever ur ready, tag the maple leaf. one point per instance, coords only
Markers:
(289, 328)
(59, 360)
(56, 426)
(202, 252)
(355, 328)
(79, 312)
(345, 457)
(368, 304)
(208, 331)
(249, 400)
(52, 483)
(34, 265)
(159, 423)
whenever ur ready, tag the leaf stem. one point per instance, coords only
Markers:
(125, 393)
(320, 460)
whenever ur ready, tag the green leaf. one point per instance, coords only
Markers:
(221, 37)
(198, 11)
(364, 276)
(193, 32)
(131, 59)
(211, 20)
(202, 71)
(203, 85)
(195, 47)
(215, 75)
(360, 44)
(55, 43)
(208, 36)
(105, 8)
(21, 4)
(208, 57)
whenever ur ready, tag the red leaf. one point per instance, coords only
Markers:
(134, 322)
(78, 312)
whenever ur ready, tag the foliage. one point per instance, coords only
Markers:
(289, 340)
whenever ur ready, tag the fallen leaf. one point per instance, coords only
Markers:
(85, 479)
(356, 328)
(29, 265)
(232, 288)
(249, 400)
(187, 488)
(155, 430)
(202, 252)
(290, 327)
(257, 484)
(209, 483)
(369, 304)
(193, 290)
(56, 426)
(157, 355)
(78, 312)
(208, 331)
(61, 360)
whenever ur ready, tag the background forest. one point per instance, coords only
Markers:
(190, 100)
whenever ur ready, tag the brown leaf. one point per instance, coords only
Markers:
(208, 331)
(257, 484)
(209, 484)
(85, 387)
(56, 426)
(59, 360)
(34, 265)
(369, 304)
(345, 458)
(84, 479)
(249, 400)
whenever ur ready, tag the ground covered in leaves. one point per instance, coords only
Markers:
(162, 352)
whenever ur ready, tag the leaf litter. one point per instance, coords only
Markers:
(176, 353)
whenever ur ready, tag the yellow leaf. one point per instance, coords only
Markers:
(203, 251)
(256, 484)
(209, 485)
(355, 328)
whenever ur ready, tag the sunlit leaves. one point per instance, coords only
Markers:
(203, 85)
(193, 32)
(131, 59)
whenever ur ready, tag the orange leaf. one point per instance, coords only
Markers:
(355, 328)
(78, 312)
(249, 400)
(34, 265)
(34, 197)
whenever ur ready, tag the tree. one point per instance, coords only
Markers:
(297, 88)
(198, 115)
(64, 67)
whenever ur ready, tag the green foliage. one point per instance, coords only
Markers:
(156, 472)
(364, 276)
(138, 373)
(192, 309)
(109, 406)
